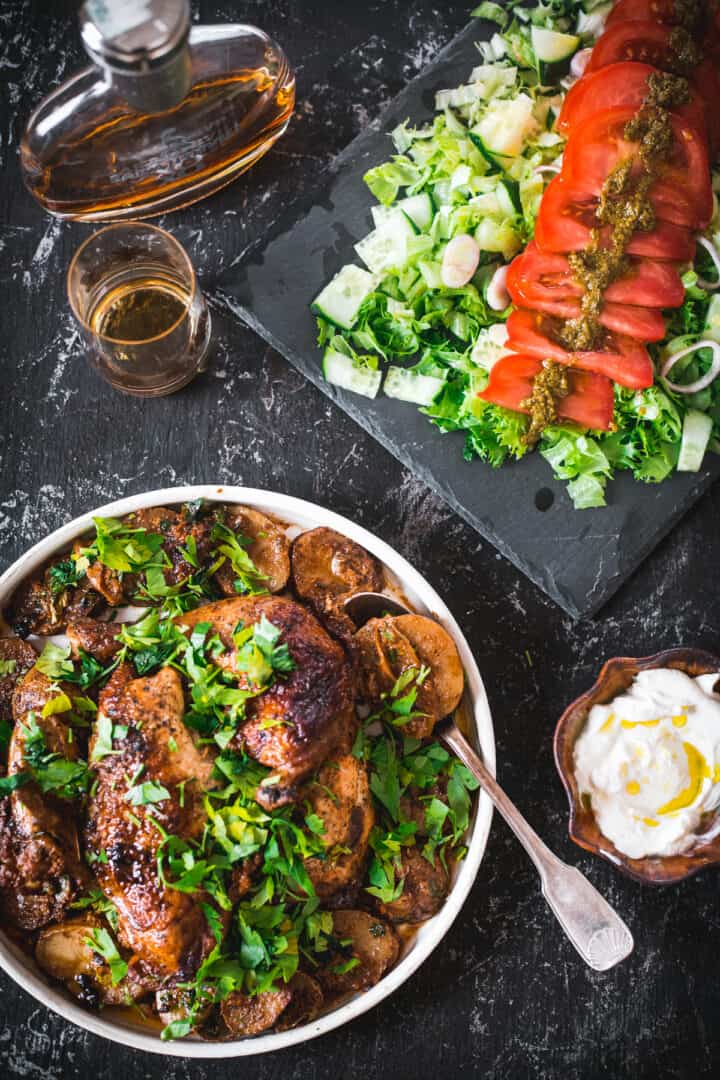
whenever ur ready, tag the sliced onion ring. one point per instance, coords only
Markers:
(713, 253)
(555, 168)
(705, 380)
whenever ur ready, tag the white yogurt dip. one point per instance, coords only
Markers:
(650, 762)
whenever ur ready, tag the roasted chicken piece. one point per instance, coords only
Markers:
(178, 533)
(364, 937)
(305, 716)
(156, 777)
(40, 865)
(16, 657)
(390, 647)
(296, 1002)
(425, 886)
(269, 550)
(327, 568)
(98, 639)
(37, 607)
(340, 796)
(65, 952)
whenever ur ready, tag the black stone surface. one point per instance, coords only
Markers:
(504, 997)
(579, 559)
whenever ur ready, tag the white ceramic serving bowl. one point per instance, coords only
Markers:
(423, 598)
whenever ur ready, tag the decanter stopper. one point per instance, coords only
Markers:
(142, 46)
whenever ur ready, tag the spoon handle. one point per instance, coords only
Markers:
(595, 929)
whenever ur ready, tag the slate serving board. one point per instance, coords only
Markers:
(580, 558)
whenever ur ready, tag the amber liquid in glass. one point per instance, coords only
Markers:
(139, 310)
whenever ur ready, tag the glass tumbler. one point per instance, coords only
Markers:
(144, 321)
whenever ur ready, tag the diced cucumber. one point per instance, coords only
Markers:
(489, 205)
(385, 248)
(497, 161)
(341, 299)
(380, 214)
(696, 432)
(440, 228)
(506, 125)
(407, 385)
(508, 194)
(420, 210)
(712, 319)
(431, 272)
(461, 177)
(343, 371)
(550, 46)
(497, 237)
(490, 346)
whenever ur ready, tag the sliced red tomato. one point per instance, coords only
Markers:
(681, 193)
(622, 359)
(643, 324)
(590, 401)
(644, 40)
(660, 11)
(539, 275)
(622, 84)
(649, 42)
(567, 217)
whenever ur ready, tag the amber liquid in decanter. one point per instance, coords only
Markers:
(88, 154)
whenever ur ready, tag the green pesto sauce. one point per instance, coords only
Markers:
(549, 385)
(685, 53)
(625, 206)
(689, 14)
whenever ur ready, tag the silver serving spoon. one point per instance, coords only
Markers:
(595, 929)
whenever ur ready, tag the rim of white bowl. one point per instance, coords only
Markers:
(422, 596)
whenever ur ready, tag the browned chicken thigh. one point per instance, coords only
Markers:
(302, 719)
(40, 866)
(151, 784)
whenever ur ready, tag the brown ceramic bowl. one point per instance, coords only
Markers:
(615, 677)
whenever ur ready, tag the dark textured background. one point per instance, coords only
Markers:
(503, 996)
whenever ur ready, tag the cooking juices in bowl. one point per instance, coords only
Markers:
(229, 809)
(639, 755)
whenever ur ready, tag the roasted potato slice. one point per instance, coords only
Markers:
(269, 550)
(385, 655)
(438, 651)
(366, 938)
(425, 886)
(340, 796)
(250, 1014)
(328, 567)
(305, 1003)
(63, 952)
(173, 1003)
(17, 657)
(99, 639)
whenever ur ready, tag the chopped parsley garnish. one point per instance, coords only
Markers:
(101, 942)
(53, 773)
(232, 546)
(147, 792)
(65, 575)
(9, 784)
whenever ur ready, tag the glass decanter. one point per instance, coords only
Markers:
(167, 114)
